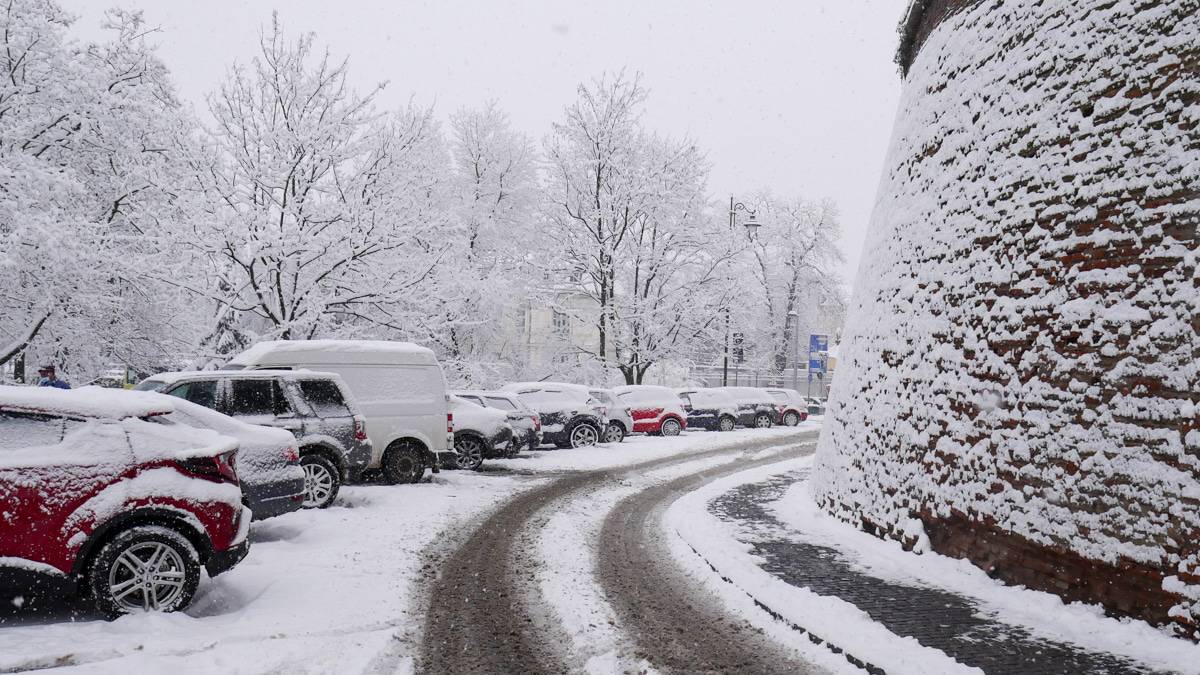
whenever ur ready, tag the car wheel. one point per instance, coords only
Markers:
(321, 481)
(470, 452)
(726, 423)
(671, 427)
(791, 419)
(584, 435)
(762, 421)
(148, 568)
(614, 433)
(403, 463)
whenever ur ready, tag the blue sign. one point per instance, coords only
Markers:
(818, 343)
(818, 349)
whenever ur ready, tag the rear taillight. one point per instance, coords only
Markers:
(219, 468)
(537, 423)
(291, 454)
(449, 423)
(360, 428)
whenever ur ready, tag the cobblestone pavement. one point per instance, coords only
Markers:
(935, 617)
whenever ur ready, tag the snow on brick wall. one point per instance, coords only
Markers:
(1019, 381)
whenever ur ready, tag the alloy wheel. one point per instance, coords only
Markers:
(614, 433)
(470, 453)
(670, 428)
(584, 435)
(762, 421)
(725, 424)
(318, 484)
(791, 419)
(149, 576)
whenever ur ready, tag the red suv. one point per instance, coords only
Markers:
(655, 410)
(94, 498)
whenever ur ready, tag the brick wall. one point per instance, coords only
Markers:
(1019, 379)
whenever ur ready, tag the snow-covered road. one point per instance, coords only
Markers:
(321, 591)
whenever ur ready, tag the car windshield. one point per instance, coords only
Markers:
(151, 384)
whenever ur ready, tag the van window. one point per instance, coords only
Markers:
(325, 397)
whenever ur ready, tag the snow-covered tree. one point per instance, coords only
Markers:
(626, 216)
(93, 144)
(321, 208)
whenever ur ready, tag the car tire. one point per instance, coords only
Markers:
(791, 419)
(670, 427)
(322, 480)
(403, 463)
(614, 432)
(470, 452)
(163, 559)
(583, 435)
(762, 421)
(726, 423)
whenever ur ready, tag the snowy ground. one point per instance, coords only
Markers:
(702, 534)
(321, 590)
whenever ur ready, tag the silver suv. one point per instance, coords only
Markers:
(315, 407)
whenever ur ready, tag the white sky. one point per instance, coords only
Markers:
(792, 95)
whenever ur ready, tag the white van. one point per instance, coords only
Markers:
(399, 389)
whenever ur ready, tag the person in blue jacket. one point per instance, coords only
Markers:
(47, 377)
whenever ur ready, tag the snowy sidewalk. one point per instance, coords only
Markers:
(894, 611)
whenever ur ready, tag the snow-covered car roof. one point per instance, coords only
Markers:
(646, 393)
(228, 426)
(576, 389)
(380, 352)
(95, 402)
(178, 376)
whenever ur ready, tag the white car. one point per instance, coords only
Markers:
(479, 433)
(398, 387)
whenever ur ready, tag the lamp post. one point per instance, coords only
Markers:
(794, 320)
(751, 226)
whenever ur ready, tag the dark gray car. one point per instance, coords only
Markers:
(315, 407)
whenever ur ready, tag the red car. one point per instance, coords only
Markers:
(655, 410)
(97, 498)
(793, 409)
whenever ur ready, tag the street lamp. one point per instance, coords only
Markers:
(751, 224)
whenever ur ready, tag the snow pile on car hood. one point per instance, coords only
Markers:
(468, 416)
(94, 402)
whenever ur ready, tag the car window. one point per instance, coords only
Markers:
(779, 396)
(325, 397)
(500, 403)
(687, 400)
(472, 399)
(21, 430)
(149, 385)
(251, 397)
(603, 396)
(200, 392)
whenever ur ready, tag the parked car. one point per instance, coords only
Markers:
(526, 425)
(816, 405)
(96, 499)
(316, 407)
(656, 410)
(711, 409)
(570, 419)
(479, 433)
(794, 407)
(618, 423)
(756, 408)
(398, 387)
(268, 459)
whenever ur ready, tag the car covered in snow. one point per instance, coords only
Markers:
(756, 408)
(710, 409)
(397, 386)
(526, 425)
(268, 459)
(655, 410)
(315, 407)
(97, 499)
(793, 407)
(617, 421)
(570, 418)
(479, 433)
